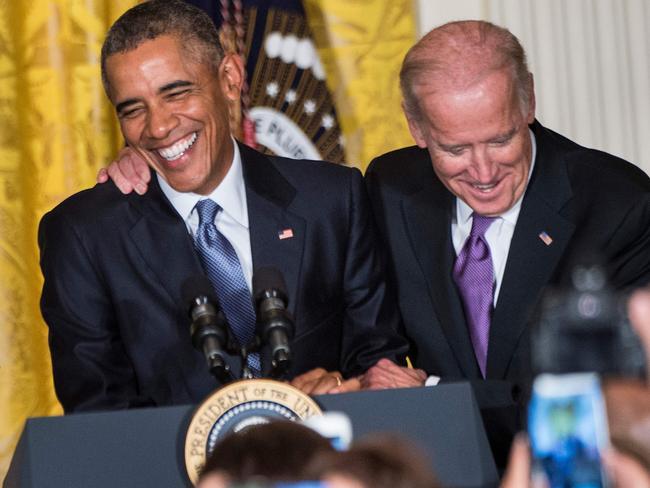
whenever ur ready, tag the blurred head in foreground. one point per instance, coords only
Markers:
(268, 453)
(381, 461)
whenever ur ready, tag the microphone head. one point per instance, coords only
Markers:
(197, 286)
(269, 282)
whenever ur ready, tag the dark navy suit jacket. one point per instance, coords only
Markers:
(113, 267)
(584, 199)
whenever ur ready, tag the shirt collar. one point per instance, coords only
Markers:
(230, 194)
(464, 211)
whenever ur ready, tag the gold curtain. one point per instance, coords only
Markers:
(56, 130)
(362, 44)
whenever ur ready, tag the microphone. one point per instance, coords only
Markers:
(274, 324)
(209, 330)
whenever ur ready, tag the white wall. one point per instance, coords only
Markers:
(590, 60)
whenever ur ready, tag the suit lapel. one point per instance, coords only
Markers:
(531, 262)
(277, 235)
(163, 241)
(427, 214)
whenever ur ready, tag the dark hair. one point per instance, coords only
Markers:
(379, 461)
(155, 18)
(277, 451)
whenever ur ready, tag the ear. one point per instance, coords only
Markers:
(231, 76)
(530, 117)
(414, 128)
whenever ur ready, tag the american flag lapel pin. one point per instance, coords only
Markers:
(546, 239)
(285, 234)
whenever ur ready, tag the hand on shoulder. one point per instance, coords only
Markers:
(128, 171)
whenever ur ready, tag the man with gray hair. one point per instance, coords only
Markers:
(487, 211)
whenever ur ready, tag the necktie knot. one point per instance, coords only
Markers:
(207, 210)
(480, 225)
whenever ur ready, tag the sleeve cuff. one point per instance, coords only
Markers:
(432, 380)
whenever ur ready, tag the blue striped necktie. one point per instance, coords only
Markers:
(225, 273)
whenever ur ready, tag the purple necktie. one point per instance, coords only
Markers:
(474, 275)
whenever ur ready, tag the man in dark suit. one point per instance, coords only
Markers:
(114, 264)
(486, 212)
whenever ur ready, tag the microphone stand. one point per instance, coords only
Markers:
(222, 372)
(220, 369)
(246, 372)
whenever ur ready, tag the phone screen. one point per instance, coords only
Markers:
(567, 426)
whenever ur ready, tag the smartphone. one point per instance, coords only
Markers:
(567, 426)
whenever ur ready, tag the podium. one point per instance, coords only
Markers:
(144, 447)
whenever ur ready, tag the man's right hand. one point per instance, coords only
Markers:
(128, 171)
(387, 374)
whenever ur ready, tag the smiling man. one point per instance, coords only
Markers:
(173, 109)
(487, 211)
(114, 264)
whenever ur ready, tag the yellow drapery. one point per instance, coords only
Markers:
(56, 130)
(362, 44)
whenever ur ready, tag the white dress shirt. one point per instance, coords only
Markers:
(232, 221)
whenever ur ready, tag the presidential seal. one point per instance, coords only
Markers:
(237, 406)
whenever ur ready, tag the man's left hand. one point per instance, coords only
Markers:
(319, 381)
(387, 374)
